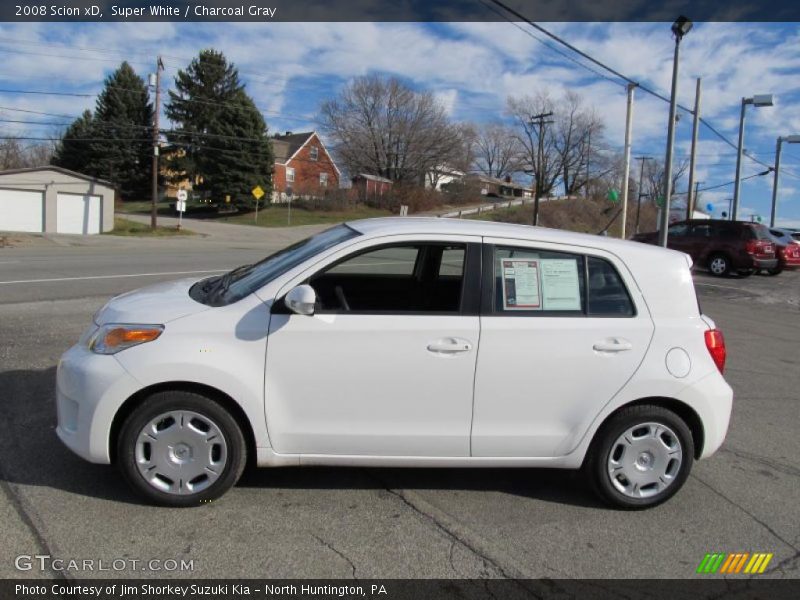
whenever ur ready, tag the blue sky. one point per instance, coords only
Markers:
(289, 68)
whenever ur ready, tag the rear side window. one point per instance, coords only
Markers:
(760, 232)
(538, 281)
(608, 296)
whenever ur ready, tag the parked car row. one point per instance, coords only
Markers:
(726, 247)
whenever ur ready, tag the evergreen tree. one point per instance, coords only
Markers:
(220, 137)
(74, 151)
(123, 122)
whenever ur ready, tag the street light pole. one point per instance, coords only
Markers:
(791, 139)
(680, 27)
(757, 101)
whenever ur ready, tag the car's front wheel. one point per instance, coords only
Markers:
(641, 457)
(181, 449)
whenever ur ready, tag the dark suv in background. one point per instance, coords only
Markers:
(723, 247)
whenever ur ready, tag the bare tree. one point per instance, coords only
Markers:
(547, 169)
(15, 155)
(381, 126)
(497, 150)
(654, 178)
(578, 133)
(571, 141)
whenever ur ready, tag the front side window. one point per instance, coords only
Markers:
(402, 278)
(679, 230)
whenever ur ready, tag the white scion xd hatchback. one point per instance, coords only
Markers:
(407, 342)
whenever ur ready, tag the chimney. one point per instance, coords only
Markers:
(508, 178)
(288, 133)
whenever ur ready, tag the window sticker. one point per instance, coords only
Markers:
(560, 286)
(521, 286)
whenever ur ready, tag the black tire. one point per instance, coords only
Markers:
(743, 273)
(775, 271)
(595, 466)
(719, 265)
(235, 448)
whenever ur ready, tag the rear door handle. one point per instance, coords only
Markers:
(449, 346)
(613, 345)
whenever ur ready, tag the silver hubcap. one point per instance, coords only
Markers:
(181, 452)
(645, 460)
(718, 266)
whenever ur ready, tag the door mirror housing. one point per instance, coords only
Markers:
(301, 300)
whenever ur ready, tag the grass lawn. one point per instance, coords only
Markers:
(132, 228)
(276, 216)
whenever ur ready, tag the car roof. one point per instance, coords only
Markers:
(451, 226)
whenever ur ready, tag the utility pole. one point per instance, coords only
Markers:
(627, 170)
(541, 122)
(690, 214)
(639, 189)
(156, 135)
(691, 200)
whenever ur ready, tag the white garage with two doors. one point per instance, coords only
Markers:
(55, 200)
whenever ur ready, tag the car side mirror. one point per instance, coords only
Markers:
(301, 300)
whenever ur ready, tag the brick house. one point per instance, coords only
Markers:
(303, 167)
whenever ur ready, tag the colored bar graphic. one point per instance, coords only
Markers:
(732, 563)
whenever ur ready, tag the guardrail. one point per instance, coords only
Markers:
(476, 210)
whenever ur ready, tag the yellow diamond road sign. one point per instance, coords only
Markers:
(257, 192)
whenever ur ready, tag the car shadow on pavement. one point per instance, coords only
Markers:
(546, 485)
(31, 454)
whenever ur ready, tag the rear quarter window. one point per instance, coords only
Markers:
(608, 296)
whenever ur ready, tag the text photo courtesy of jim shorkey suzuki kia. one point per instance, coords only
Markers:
(478, 299)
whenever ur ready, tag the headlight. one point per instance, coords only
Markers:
(114, 337)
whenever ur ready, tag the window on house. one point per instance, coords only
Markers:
(323, 179)
(289, 174)
(314, 153)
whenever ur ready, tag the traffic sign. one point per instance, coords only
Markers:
(180, 205)
(257, 192)
(613, 195)
(183, 195)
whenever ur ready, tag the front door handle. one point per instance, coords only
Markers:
(449, 346)
(613, 345)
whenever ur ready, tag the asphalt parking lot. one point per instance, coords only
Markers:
(383, 523)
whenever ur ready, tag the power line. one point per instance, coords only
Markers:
(644, 88)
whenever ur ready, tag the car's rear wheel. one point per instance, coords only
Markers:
(181, 449)
(719, 265)
(641, 457)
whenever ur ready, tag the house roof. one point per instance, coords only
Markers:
(503, 182)
(373, 177)
(285, 147)
(60, 170)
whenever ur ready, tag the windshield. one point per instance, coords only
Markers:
(242, 281)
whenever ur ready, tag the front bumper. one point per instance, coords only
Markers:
(90, 388)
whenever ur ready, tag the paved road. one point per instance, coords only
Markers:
(381, 522)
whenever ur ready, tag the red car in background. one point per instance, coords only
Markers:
(787, 249)
(722, 247)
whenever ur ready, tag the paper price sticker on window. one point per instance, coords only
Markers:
(560, 286)
(521, 286)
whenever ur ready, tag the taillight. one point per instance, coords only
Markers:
(715, 343)
(751, 247)
(758, 247)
